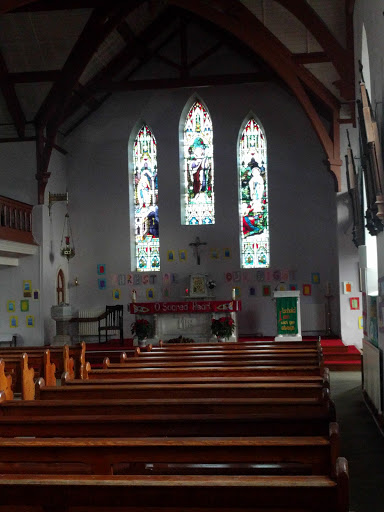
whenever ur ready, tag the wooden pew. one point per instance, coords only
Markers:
(105, 456)
(192, 493)
(210, 371)
(182, 347)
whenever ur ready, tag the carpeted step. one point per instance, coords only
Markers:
(343, 366)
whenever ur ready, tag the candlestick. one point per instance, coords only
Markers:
(133, 295)
(233, 293)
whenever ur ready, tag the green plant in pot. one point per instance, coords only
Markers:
(223, 327)
(142, 329)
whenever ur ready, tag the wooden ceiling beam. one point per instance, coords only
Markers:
(310, 58)
(28, 77)
(190, 81)
(8, 90)
(10, 5)
(234, 17)
(340, 57)
(56, 5)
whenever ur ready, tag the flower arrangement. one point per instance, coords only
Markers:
(142, 328)
(223, 327)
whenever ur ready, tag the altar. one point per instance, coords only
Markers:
(187, 318)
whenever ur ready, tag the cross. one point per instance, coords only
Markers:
(196, 244)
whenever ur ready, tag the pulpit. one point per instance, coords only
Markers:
(288, 315)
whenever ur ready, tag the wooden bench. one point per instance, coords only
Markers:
(104, 456)
(192, 493)
(182, 347)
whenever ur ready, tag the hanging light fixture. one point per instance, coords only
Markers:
(66, 249)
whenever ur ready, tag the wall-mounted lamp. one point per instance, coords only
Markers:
(76, 282)
(53, 198)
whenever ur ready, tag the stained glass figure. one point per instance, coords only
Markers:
(253, 177)
(146, 201)
(198, 167)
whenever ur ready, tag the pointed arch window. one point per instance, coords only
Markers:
(253, 183)
(147, 242)
(198, 179)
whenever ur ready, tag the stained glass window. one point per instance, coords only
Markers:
(198, 167)
(146, 201)
(253, 178)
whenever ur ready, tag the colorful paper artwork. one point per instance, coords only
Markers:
(145, 279)
(166, 292)
(136, 279)
(166, 278)
(237, 291)
(30, 321)
(252, 291)
(24, 305)
(214, 254)
(347, 287)
(228, 277)
(171, 255)
(292, 275)
(101, 268)
(260, 275)
(246, 276)
(307, 289)
(129, 278)
(114, 279)
(150, 293)
(116, 294)
(13, 322)
(354, 302)
(282, 287)
(266, 290)
(27, 288)
(276, 275)
(285, 275)
(315, 278)
(182, 255)
(237, 276)
(122, 280)
(268, 275)
(102, 284)
(293, 287)
(227, 253)
(11, 306)
(35, 294)
(360, 319)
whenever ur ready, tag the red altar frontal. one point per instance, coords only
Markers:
(188, 318)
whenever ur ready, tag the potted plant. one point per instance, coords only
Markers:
(142, 329)
(223, 327)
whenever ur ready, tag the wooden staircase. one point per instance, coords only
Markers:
(340, 357)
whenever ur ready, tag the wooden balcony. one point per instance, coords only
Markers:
(15, 221)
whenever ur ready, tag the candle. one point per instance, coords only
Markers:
(133, 295)
(186, 291)
(233, 293)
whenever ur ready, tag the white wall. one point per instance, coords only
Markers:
(302, 198)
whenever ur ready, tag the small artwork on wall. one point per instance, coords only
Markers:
(171, 255)
(354, 302)
(102, 284)
(285, 275)
(360, 319)
(293, 287)
(266, 290)
(116, 294)
(347, 287)
(252, 291)
(182, 255)
(35, 294)
(122, 279)
(226, 253)
(101, 268)
(228, 277)
(214, 254)
(260, 275)
(24, 305)
(13, 322)
(30, 321)
(11, 306)
(27, 288)
(150, 293)
(315, 278)
(307, 289)
(129, 278)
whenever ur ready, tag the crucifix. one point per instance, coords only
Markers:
(196, 244)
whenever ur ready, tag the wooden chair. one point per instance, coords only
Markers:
(113, 317)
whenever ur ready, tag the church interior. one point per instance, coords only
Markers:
(167, 167)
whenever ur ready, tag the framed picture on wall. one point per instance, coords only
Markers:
(198, 287)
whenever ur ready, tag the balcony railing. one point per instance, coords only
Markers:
(15, 221)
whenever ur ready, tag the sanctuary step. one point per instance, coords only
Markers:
(340, 357)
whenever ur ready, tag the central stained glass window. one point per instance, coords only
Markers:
(198, 167)
(146, 201)
(254, 239)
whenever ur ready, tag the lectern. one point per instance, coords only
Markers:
(288, 316)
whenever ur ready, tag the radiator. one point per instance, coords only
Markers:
(90, 328)
(371, 369)
(313, 317)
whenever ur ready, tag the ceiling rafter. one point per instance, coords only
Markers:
(120, 61)
(235, 18)
(27, 77)
(11, 99)
(341, 58)
(10, 5)
(100, 24)
(310, 58)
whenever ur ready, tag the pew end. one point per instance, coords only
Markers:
(49, 369)
(106, 363)
(5, 382)
(69, 363)
(27, 379)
